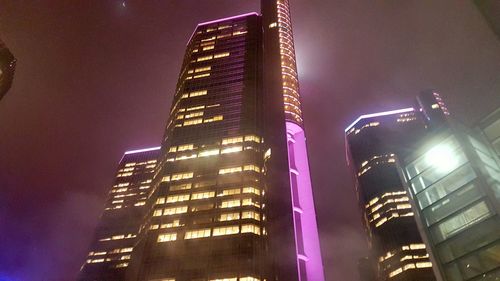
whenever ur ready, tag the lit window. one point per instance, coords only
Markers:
(193, 122)
(203, 195)
(249, 202)
(232, 140)
(181, 176)
(251, 190)
(157, 213)
(248, 278)
(121, 265)
(174, 223)
(208, 39)
(251, 168)
(252, 138)
(239, 32)
(173, 149)
(226, 230)
(229, 216)
(221, 55)
(230, 170)
(205, 58)
(175, 210)
(250, 215)
(211, 47)
(183, 186)
(201, 75)
(177, 198)
(250, 228)
(198, 93)
(195, 108)
(201, 69)
(232, 149)
(207, 153)
(140, 203)
(273, 24)
(166, 237)
(230, 203)
(213, 119)
(227, 192)
(200, 233)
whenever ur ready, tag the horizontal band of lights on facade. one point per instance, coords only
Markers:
(378, 114)
(219, 20)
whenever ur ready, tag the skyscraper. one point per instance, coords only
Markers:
(231, 196)
(116, 234)
(7, 68)
(373, 142)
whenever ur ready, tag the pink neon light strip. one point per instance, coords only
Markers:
(142, 150)
(379, 114)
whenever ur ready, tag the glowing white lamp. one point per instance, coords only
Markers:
(442, 157)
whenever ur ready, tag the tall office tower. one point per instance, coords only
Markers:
(7, 68)
(491, 12)
(454, 181)
(116, 234)
(232, 197)
(373, 142)
(489, 127)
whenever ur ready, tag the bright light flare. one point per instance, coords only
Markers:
(442, 157)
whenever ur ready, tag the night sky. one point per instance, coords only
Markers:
(95, 78)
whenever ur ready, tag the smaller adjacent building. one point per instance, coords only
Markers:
(453, 179)
(7, 68)
(119, 226)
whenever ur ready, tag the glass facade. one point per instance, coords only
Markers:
(454, 181)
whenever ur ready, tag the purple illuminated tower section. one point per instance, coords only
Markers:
(284, 83)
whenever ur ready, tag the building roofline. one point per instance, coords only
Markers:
(142, 150)
(383, 113)
(219, 20)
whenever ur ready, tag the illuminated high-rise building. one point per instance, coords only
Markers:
(116, 235)
(7, 68)
(373, 143)
(231, 196)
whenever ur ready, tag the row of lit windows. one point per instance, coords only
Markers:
(223, 205)
(376, 160)
(114, 251)
(100, 260)
(222, 217)
(211, 152)
(408, 267)
(205, 195)
(247, 278)
(119, 237)
(211, 232)
(225, 141)
(410, 247)
(200, 120)
(140, 163)
(357, 131)
(194, 94)
(237, 169)
(215, 56)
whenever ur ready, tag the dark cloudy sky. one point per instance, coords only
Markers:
(95, 79)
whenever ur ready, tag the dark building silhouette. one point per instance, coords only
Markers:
(231, 196)
(119, 225)
(491, 12)
(7, 69)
